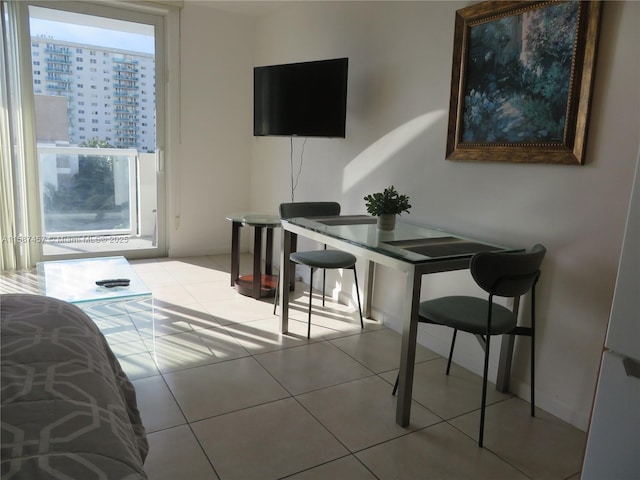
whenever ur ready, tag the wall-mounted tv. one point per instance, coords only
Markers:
(307, 99)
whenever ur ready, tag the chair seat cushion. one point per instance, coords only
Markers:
(468, 314)
(324, 259)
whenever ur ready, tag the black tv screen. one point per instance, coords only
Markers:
(307, 99)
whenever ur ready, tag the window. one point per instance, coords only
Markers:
(127, 20)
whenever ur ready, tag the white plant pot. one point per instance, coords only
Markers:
(387, 222)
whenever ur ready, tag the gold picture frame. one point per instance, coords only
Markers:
(522, 81)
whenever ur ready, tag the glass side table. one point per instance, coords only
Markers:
(258, 284)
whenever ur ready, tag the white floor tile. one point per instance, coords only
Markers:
(347, 468)
(156, 404)
(542, 446)
(224, 387)
(310, 367)
(450, 395)
(176, 454)
(379, 350)
(362, 413)
(266, 442)
(438, 452)
(199, 347)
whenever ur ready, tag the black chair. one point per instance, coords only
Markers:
(314, 259)
(501, 275)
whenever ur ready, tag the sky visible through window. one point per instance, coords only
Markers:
(88, 35)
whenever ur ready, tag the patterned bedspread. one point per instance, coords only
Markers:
(68, 410)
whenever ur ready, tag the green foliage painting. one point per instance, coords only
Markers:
(519, 76)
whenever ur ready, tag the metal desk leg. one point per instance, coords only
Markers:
(408, 351)
(268, 255)
(235, 252)
(369, 271)
(257, 254)
(285, 274)
(506, 356)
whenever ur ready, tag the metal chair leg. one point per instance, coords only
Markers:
(355, 276)
(324, 283)
(453, 344)
(310, 298)
(484, 392)
(533, 349)
(324, 279)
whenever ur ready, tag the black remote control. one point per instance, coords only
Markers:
(113, 282)
(116, 284)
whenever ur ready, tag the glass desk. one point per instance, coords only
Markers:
(123, 314)
(412, 249)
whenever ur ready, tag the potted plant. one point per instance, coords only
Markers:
(386, 205)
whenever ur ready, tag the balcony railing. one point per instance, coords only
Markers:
(88, 191)
(126, 61)
(125, 68)
(58, 50)
(62, 61)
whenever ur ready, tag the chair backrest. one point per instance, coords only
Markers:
(309, 209)
(507, 274)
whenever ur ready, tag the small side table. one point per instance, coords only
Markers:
(258, 284)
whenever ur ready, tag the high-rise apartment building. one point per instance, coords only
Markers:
(110, 93)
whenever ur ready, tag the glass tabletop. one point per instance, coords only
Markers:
(255, 219)
(409, 242)
(75, 280)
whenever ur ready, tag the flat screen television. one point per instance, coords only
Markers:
(307, 99)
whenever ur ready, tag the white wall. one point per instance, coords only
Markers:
(399, 80)
(212, 168)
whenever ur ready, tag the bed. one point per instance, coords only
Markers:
(68, 410)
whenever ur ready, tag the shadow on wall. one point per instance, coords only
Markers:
(386, 147)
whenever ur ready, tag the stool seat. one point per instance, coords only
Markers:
(324, 259)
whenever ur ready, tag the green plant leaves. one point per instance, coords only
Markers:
(389, 201)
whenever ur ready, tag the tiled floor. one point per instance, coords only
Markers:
(231, 398)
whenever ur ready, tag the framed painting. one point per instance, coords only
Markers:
(522, 81)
